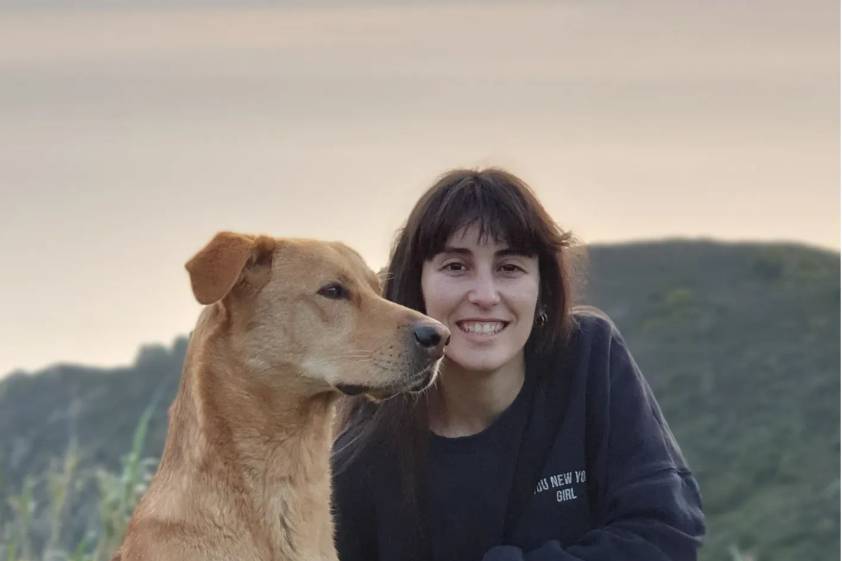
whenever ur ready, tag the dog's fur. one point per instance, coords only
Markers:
(245, 473)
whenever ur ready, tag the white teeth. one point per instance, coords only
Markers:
(482, 327)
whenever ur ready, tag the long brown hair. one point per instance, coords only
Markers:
(504, 208)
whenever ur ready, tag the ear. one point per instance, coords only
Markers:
(216, 268)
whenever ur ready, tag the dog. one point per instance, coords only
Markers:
(289, 326)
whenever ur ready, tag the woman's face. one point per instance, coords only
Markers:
(486, 295)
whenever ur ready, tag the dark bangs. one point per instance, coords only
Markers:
(495, 209)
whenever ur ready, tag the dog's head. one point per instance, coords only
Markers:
(308, 315)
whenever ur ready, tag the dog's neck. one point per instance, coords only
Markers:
(261, 445)
(243, 417)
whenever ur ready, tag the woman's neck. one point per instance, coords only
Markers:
(466, 402)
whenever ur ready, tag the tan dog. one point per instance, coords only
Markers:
(289, 324)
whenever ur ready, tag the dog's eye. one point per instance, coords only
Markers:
(334, 291)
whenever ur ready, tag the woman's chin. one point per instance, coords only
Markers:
(480, 362)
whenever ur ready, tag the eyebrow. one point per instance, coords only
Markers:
(500, 253)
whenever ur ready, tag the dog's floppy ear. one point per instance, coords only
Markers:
(216, 268)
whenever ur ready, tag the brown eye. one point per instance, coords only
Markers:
(334, 291)
(453, 267)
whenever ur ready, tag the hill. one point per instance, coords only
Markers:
(739, 341)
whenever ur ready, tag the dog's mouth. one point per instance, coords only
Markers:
(352, 389)
(416, 384)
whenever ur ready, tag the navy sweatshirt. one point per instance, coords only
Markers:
(581, 466)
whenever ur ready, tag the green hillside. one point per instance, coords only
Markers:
(740, 343)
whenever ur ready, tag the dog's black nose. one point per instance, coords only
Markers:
(427, 335)
(431, 336)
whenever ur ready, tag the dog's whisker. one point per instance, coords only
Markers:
(347, 357)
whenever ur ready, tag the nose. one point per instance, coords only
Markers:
(484, 293)
(432, 337)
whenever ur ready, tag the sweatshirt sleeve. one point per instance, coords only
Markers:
(647, 505)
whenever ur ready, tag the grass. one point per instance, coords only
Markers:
(118, 493)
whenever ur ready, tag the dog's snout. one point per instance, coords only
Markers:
(431, 336)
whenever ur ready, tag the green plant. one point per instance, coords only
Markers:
(19, 545)
(120, 492)
(59, 484)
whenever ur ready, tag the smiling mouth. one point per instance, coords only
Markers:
(482, 328)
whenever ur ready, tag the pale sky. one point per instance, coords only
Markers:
(128, 137)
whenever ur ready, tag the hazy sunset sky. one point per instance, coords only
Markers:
(130, 135)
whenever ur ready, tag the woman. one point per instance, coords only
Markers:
(540, 440)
